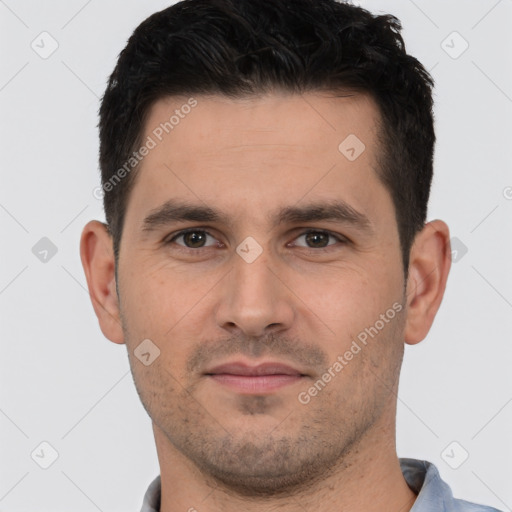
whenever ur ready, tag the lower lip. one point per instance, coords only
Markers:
(255, 383)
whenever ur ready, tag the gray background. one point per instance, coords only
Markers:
(63, 383)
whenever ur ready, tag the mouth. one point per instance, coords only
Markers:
(260, 379)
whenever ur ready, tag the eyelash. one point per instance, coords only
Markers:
(183, 232)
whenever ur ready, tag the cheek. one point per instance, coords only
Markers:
(349, 303)
(341, 297)
(156, 296)
(169, 306)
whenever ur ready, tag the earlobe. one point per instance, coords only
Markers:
(429, 265)
(97, 255)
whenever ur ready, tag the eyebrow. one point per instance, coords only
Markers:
(175, 210)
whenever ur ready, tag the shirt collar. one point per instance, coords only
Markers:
(423, 478)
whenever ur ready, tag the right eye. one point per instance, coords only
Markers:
(192, 238)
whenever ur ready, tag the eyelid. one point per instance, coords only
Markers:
(171, 238)
(340, 238)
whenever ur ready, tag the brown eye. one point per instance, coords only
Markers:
(318, 239)
(193, 239)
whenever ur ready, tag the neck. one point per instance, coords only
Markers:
(368, 479)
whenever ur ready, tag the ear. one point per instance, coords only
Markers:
(97, 255)
(429, 265)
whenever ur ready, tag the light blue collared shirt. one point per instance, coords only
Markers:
(434, 495)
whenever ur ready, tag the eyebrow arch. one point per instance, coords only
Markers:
(334, 211)
(175, 210)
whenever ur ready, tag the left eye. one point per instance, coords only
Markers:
(317, 239)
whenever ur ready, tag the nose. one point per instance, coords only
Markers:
(254, 298)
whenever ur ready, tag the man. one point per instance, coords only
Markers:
(266, 168)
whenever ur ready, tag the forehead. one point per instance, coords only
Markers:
(312, 120)
(252, 154)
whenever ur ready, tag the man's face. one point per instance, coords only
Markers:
(211, 298)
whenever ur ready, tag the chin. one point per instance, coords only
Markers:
(264, 466)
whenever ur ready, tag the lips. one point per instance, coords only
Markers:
(259, 370)
(261, 379)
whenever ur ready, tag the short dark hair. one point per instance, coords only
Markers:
(240, 48)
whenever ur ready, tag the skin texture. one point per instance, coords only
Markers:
(297, 303)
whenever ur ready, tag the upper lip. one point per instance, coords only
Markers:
(239, 368)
